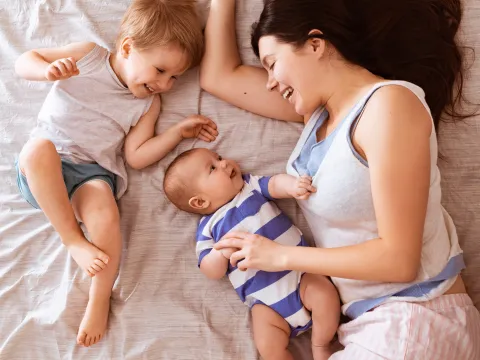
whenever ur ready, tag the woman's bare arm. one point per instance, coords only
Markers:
(223, 74)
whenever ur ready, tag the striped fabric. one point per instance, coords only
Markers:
(445, 328)
(252, 211)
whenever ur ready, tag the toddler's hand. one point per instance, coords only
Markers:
(61, 69)
(198, 126)
(302, 189)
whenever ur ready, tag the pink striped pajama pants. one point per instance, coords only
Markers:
(445, 328)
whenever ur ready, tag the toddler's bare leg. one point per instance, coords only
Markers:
(271, 333)
(95, 205)
(41, 164)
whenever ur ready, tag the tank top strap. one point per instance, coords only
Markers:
(351, 122)
(356, 112)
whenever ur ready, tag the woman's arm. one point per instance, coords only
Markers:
(223, 74)
(398, 153)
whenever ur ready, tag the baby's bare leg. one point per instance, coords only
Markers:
(95, 205)
(41, 164)
(321, 298)
(271, 333)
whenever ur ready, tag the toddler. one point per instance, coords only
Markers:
(102, 110)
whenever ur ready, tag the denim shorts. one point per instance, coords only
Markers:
(74, 176)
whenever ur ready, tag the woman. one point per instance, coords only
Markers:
(370, 145)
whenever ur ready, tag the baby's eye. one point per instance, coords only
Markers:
(212, 168)
(219, 158)
(161, 71)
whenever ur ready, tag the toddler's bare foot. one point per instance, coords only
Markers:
(90, 258)
(321, 352)
(94, 322)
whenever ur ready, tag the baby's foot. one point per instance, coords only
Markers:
(90, 258)
(321, 352)
(94, 322)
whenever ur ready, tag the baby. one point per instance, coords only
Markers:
(283, 304)
(103, 108)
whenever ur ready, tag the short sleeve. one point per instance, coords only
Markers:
(147, 102)
(204, 239)
(92, 61)
(259, 183)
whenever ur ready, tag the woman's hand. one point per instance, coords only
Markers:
(228, 252)
(255, 252)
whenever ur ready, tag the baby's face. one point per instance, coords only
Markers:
(215, 179)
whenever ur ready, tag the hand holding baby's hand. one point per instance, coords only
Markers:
(227, 252)
(61, 69)
(302, 188)
(198, 126)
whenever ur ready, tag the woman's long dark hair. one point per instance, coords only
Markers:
(411, 40)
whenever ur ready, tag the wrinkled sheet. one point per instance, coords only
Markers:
(162, 307)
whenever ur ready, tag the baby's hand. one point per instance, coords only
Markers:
(61, 69)
(302, 188)
(198, 126)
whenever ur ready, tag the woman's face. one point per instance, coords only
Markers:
(294, 72)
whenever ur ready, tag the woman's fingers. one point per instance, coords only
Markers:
(229, 243)
(237, 234)
(242, 265)
(236, 257)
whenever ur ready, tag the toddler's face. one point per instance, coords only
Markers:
(153, 71)
(215, 179)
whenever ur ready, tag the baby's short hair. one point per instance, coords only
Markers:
(160, 22)
(175, 188)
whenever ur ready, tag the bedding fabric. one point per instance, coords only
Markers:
(163, 307)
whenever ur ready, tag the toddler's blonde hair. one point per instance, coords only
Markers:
(150, 23)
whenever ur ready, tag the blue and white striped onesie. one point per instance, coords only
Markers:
(253, 211)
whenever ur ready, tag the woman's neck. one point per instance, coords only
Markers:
(350, 84)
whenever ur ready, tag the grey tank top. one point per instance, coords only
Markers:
(88, 116)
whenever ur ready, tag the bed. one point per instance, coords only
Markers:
(162, 306)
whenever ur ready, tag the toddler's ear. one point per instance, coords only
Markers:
(198, 203)
(126, 47)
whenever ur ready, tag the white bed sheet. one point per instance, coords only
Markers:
(162, 308)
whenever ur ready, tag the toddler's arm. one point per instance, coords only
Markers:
(287, 186)
(214, 265)
(52, 63)
(143, 148)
